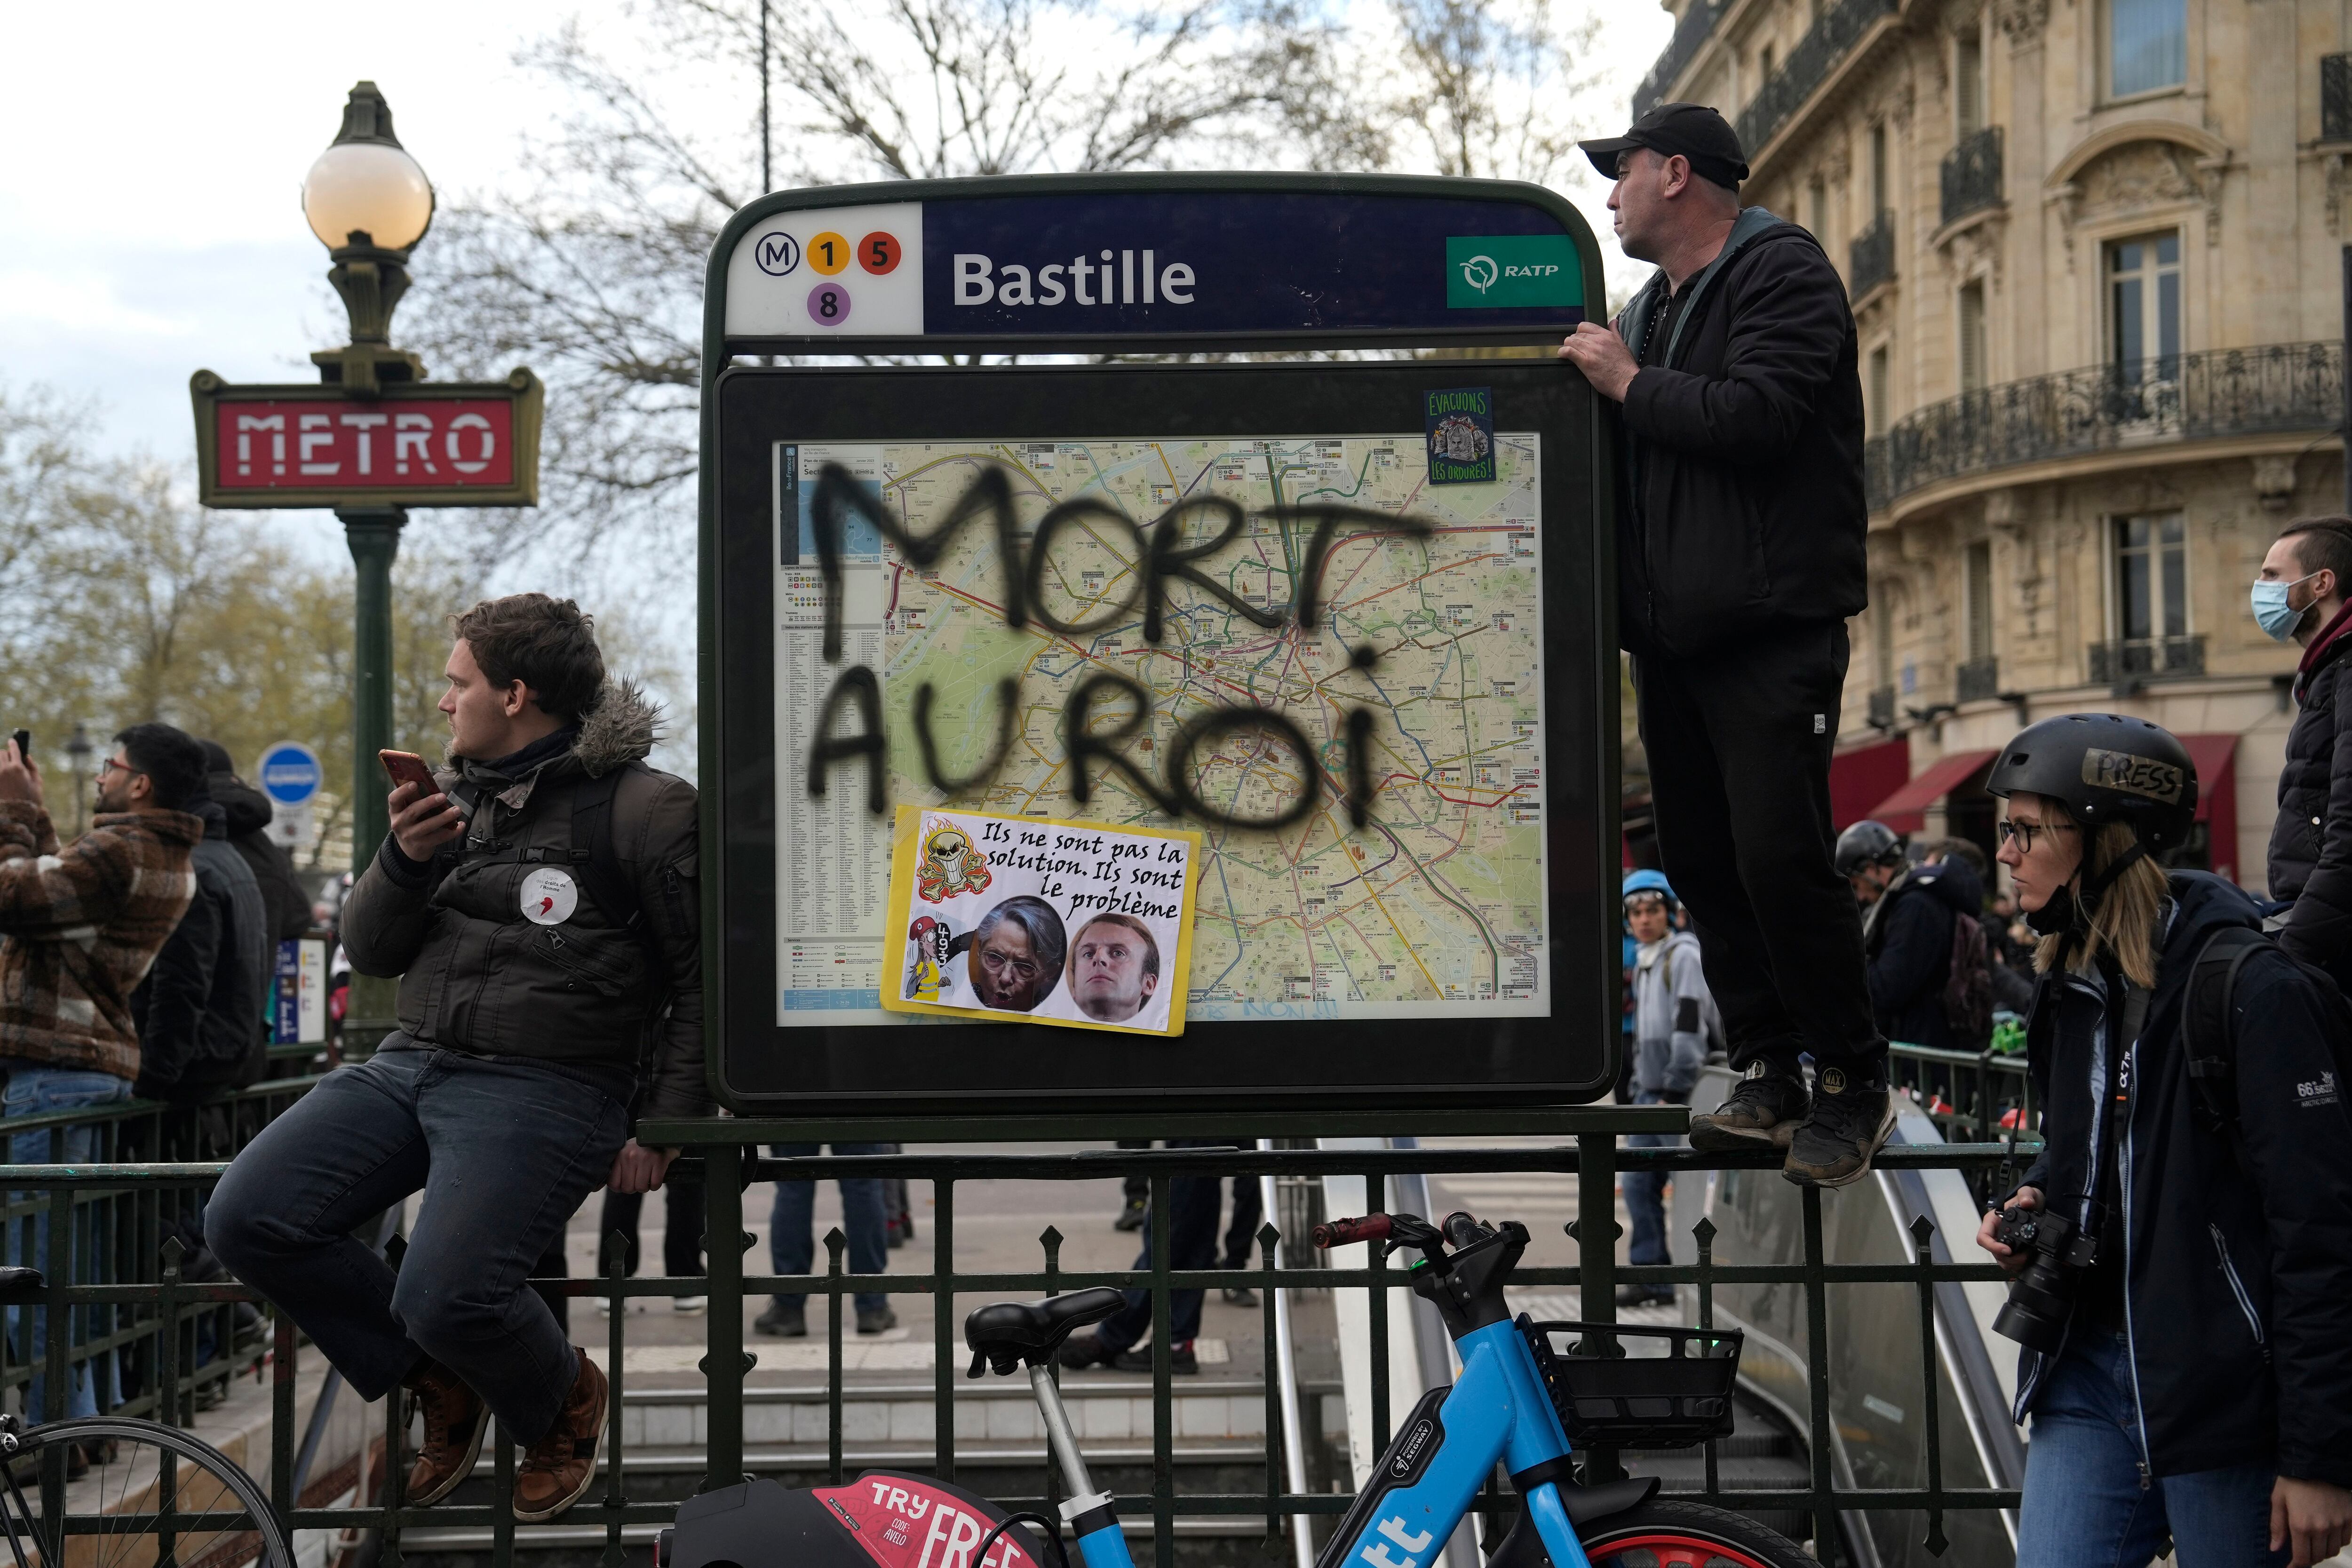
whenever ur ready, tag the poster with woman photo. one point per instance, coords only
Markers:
(1069, 923)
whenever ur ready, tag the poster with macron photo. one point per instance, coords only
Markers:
(1070, 923)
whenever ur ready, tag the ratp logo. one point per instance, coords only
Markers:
(1480, 272)
(1507, 271)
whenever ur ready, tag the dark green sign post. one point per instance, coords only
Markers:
(1350, 622)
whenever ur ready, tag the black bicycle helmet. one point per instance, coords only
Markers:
(2105, 767)
(1866, 843)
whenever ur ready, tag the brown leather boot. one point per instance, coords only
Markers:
(455, 1419)
(560, 1468)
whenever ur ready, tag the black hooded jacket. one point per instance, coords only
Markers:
(286, 905)
(2237, 1274)
(2310, 841)
(1744, 448)
(201, 1008)
(1910, 952)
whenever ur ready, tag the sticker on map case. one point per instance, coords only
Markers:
(1070, 923)
(1461, 424)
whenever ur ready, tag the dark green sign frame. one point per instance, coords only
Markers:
(1591, 758)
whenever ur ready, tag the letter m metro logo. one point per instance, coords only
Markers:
(1497, 271)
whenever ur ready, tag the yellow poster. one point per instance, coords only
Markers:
(1070, 923)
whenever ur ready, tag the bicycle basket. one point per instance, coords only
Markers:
(1666, 1401)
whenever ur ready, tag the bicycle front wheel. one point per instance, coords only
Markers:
(1664, 1534)
(124, 1493)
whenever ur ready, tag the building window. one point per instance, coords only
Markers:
(1972, 337)
(2144, 306)
(1878, 184)
(1878, 413)
(1817, 199)
(2152, 577)
(1763, 66)
(1968, 87)
(1978, 587)
(2147, 46)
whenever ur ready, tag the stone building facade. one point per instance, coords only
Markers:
(2095, 254)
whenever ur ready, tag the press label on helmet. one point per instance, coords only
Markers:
(2134, 775)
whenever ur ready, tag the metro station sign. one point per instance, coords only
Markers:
(416, 443)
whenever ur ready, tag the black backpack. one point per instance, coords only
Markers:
(1967, 985)
(2209, 1007)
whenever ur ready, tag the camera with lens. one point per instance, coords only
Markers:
(2035, 1313)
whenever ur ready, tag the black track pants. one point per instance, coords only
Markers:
(1739, 744)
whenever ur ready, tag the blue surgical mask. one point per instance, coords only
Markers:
(2276, 615)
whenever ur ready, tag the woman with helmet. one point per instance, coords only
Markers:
(2195, 1378)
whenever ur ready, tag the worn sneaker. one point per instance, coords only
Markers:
(1081, 1351)
(1131, 1216)
(1239, 1296)
(454, 1418)
(558, 1469)
(1182, 1360)
(881, 1319)
(781, 1322)
(690, 1306)
(1849, 1124)
(1645, 1295)
(1761, 1113)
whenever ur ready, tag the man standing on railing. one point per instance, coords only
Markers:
(1740, 559)
(79, 926)
(540, 907)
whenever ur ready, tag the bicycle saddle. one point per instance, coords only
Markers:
(21, 1284)
(1003, 1335)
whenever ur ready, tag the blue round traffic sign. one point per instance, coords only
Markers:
(290, 775)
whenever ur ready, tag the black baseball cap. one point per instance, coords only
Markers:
(1693, 130)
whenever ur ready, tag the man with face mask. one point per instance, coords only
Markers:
(2301, 594)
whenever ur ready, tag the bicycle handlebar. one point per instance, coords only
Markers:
(1345, 1232)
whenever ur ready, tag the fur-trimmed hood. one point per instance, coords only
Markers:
(621, 727)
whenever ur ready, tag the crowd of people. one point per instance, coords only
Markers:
(136, 960)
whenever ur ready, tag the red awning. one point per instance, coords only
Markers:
(2213, 756)
(1904, 811)
(1861, 777)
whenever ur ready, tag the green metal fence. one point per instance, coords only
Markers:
(726, 1152)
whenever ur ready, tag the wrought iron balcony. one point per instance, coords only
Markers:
(1691, 30)
(1976, 680)
(2131, 662)
(1882, 708)
(2336, 98)
(1872, 260)
(1809, 65)
(1972, 174)
(2277, 387)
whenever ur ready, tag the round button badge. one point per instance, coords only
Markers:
(878, 252)
(828, 253)
(828, 304)
(549, 897)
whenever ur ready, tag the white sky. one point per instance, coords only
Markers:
(150, 208)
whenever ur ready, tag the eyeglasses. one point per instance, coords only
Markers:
(114, 764)
(998, 964)
(2024, 832)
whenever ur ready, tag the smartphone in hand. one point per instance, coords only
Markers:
(24, 739)
(407, 767)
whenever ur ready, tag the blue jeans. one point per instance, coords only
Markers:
(1645, 1193)
(791, 1241)
(34, 1091)
(2084, 1503)
(504, 1150)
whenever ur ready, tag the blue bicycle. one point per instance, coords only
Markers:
(1519, 1400)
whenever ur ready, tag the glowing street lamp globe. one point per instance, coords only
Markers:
(367, 193)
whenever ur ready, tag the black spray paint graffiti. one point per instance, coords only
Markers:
(1161, 558)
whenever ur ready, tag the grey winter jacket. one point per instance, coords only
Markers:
(202, 1006)
(1674, 1016)
(477, 975)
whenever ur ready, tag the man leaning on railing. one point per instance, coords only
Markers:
(79, 926)
(538, 904)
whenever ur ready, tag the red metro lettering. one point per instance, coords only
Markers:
(1086, 279)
